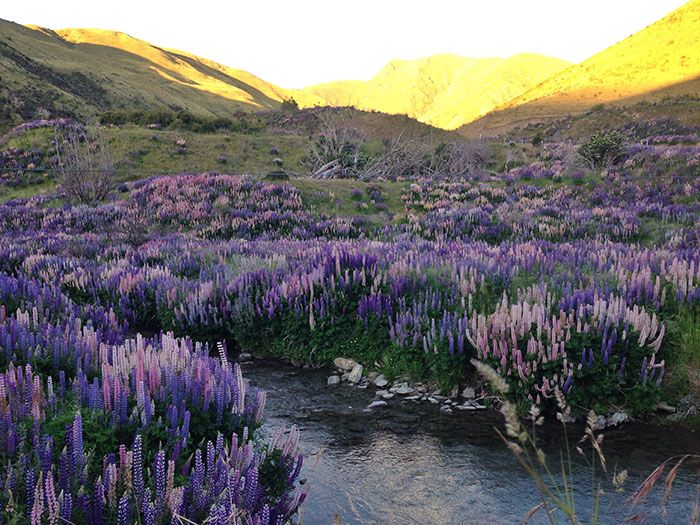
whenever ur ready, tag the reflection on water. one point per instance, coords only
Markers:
(409, 464)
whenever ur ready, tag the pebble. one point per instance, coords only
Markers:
(355, 374)
(599, 423)
(402, 389)
(412, 398)
(380, 393)
(433, 400)
(445, 410)
(345, 363)
(380, 381)
(245, 357)
(617, 418)
(378, 403)
(665, 407)
(468, 393)
(333, 380)
(387, 396)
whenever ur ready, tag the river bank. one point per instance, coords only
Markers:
(408, 462)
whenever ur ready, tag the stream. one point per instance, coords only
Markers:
(406, 463)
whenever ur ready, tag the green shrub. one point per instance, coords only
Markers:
(602, 150)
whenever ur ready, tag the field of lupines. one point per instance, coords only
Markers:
(100, 427)
(558, 284)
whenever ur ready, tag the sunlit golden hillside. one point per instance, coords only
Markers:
(445, 91)
(83, 72)
(661, 60)
(87, 70)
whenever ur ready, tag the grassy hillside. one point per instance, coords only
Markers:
(445, 91)
(660, 61)
(672, 115)
(282, 144)
(83, 71)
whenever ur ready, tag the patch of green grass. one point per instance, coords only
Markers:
(23, 192)
(36, 138)
(683, 375)
(333, 197)
(136, 154)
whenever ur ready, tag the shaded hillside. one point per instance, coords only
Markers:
(82, 71)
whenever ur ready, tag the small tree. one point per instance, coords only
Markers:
(602, 150)
(85, 167)
(289, 105)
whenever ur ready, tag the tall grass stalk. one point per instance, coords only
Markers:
(557, 494)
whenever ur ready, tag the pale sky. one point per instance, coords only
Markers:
(298, 43)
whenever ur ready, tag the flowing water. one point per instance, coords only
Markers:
(406, 463)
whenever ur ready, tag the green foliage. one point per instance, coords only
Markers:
(684, 355)
(602, 149)
(273, 475)
(277, 175)
(183, 120)
(601, 386)
(289, 105)
(99, 435)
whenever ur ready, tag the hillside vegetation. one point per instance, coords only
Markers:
(445, 91)
(83, 72)
(660, 61)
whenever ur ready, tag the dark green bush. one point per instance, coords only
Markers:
(182, 120)
(602, 150)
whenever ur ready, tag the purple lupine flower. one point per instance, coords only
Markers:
(264, 516)
(137, 466)
(29, 488)
(123, 517)
(197, 478)
(567, 384)
(97, 513)
(77, 443)
(51, 500)
(160, 478)
(251, 487)
(149, 514)
(66, 506)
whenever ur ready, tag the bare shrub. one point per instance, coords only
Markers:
(458, 158)
(399, 158)
(336, 153)
(85, 167)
